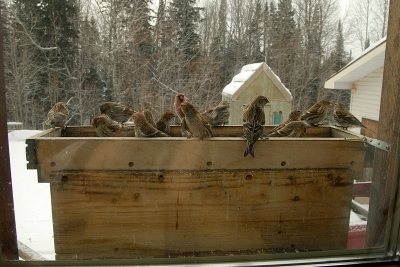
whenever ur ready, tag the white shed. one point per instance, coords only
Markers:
(253, 80)
(363, 76)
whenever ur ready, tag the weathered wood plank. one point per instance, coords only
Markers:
(176, 213)
(31, 146)
(386, 169)
(190, 154)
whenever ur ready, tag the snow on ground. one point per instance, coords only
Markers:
(32, 202)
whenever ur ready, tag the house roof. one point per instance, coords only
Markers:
(370, 60)
(250, 72)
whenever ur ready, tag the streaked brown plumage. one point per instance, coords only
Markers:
(317, 113)
(57, 115)
(291, 129)
(163, 124)
(143, 128)
(218, 115)
(117, 112)
(194, 122)
(345, 119)
(106, 127)
(179, 100)
(293, 116)
(149, 117)
(253, 122)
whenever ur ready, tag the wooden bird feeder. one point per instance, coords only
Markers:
(173, 197)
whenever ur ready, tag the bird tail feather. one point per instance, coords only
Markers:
(249, 149)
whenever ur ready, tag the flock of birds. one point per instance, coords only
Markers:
(112, 122)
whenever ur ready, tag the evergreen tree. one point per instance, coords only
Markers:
(89, 88)
(53, 33)
(255, 34)
(186, 17)
(283, 44)
(339, 54)
(266, 28)
(45, 45)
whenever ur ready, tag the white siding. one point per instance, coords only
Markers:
(365, 102)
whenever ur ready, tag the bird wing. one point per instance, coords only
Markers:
(252, 131)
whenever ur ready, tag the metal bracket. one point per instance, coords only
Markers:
(377, 143)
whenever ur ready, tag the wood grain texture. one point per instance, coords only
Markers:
(56, 154)
(386, 164)
(148, 214)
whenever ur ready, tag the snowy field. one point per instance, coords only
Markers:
(31, 199)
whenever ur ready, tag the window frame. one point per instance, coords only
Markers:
(387, 254)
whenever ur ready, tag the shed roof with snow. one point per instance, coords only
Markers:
(253, 80)
(246, 77)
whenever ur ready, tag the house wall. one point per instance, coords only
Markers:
(365, 102)
(261, 85)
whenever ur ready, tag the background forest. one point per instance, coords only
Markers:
(142, 52)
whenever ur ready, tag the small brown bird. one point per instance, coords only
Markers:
(106, 127)
(293, 116)
(163, 124)
(253, 122)
(149, 117)
(57, 115)
(194, 122)
(218, 115)
(143, 128)
(345, 119)
(117, 112)
(291, 129)
(317, 113)
(179, 100)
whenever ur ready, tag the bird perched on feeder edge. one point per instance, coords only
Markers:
(316, 113)
(57, 115)
(345, 119)
(253, 122)
(218, 115)
(143, 128)
(293, 116)
(117, 112)
(194, 122)
(291, 129)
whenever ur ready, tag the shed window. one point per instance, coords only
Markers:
(277, 117)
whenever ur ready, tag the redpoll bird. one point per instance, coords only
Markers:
(291, 129)
(143, 128)
(218, 115)
(345, 119)
(149, 117)
(253, 122)
(317, 113)
(179, 100)
(293, 116)
(163, 124)
(57, 115)
(106, 127)
(194, 122)
(117, 112)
